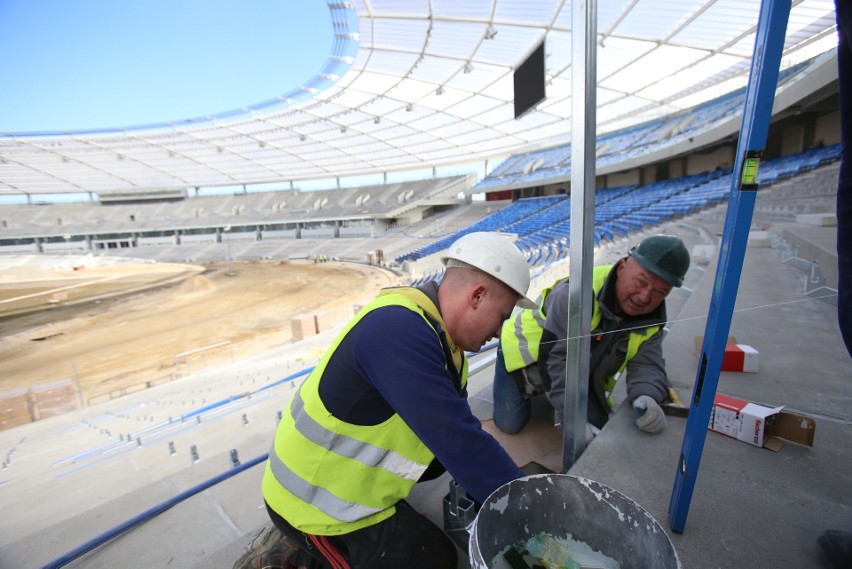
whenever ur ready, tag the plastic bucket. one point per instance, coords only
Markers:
(569, 507)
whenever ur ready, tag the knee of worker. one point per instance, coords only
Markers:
(509, 423)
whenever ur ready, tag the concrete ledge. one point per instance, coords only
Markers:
(759, 239)
(818, 219)
(703, 254)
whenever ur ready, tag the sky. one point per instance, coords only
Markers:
(102, 64)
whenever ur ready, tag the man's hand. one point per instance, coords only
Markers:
(652, 419)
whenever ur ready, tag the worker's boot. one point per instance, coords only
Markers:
(270, 549)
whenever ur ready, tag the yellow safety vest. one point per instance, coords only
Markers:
(520, 337)
(329, 477)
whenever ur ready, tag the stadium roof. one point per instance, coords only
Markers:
(414, 84)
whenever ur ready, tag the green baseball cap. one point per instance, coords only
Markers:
(665, 256)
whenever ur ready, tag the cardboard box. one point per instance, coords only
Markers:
(737, 357)
(758, 425)
(304, 326)
(740, 357)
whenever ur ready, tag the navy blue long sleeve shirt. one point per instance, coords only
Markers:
(391, 361)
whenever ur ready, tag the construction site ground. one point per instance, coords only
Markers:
(115, 325)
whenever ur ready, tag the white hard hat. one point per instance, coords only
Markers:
(495, 255)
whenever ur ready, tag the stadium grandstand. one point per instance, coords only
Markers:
(151, 190)
(404, 141)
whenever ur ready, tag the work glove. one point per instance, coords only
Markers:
(651, 417)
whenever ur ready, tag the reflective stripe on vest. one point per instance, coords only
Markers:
(364, 453)
(348, 447)
(520, 337)
(337, 477)
(634, 340)
(319, 497)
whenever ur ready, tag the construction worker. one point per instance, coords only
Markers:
(628, 315)
(385, 408)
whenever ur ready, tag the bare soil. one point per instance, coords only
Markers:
(116, 328)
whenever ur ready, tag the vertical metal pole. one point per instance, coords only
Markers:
(760, 95)
(583, 137)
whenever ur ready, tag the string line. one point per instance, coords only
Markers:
(669, 322)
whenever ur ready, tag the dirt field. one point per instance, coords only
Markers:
(120, 326)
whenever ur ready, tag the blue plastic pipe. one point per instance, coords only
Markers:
(150, 513)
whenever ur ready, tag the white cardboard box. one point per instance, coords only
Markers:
(759, 425)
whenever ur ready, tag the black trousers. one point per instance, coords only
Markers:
(406, 539)
(844, 183)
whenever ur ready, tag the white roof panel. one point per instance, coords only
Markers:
(468, 10)
(376, 106)
(653, 20)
